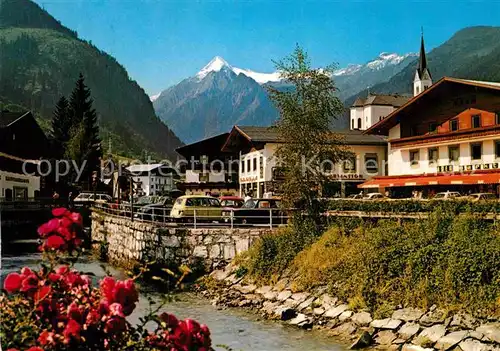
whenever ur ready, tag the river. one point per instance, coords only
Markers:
(234, 328)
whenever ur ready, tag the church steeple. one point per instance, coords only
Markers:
(423, 78)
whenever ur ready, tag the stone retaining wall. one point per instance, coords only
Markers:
(406, 329)
(127, 242)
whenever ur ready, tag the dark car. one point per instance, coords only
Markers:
(259, 211)
(159, 211)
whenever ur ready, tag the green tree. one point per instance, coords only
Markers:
(306, 112)
(61, 126)
(85, 144)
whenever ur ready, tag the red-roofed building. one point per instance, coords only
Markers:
(444, 138)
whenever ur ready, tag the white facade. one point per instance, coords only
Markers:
(400, 158)
(194, 176)
(256, 167)
(363, 117)
(18, 186)
(154, 184)
(151, 179)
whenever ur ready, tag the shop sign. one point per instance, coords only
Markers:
(347, 176)
(470, 167)
(248, 179)
(17, 180)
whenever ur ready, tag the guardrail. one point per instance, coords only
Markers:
(199, 217)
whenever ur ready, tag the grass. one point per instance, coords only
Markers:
(448, 260)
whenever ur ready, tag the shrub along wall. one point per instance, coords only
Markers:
(448, 260)
(455, 206)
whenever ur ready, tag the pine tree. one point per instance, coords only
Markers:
(85, 144)
(61, 126)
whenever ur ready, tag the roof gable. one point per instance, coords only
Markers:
(382, 127)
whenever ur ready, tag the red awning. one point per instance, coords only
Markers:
(455, 179)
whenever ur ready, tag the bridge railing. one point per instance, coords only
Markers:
(199, 217)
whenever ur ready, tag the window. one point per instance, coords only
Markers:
(497, 117)
(414, 158)
(476, 121)
(497, 149)
(255, 163)
(425, 87)
(350, 165)
(371, 163)
(476, 151)
(433, 127)
(359, 123)
(248, 165)
(433, 156)
(243, 166)
(261, 166)
(418, 89)
(454, 125)
(413, 131)
(352, 123)
(453, 153)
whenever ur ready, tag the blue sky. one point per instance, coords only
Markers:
(161, 42)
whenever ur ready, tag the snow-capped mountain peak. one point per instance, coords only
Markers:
(154, 97)
(386, 58)
(260, 78)
(382, 60)
(215, 65)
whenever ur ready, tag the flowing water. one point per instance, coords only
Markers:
(234, 328)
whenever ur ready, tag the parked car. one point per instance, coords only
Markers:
(374, 196)
(482, 196)
(90, 198)
(447, 195)
(206, 208)
(158, 211)
(259, 211)
(355, 197)
(231, 201)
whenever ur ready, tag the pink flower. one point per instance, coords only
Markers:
(30, 282)
(26, 271)
(74, 312)
(86, 280)
(107, 286)
(54, 277)
(126, 294)
(13, 282)
(42, 293)
(55, 242)
(46, 338)
(104, 307)
(49, 227)
(62, 270)
(116, 310)
(34, 348)
(65, 233)
(93, 317)
(59, 212)
(192, 326)
(72, 330)
(205, 330)
(76, 218)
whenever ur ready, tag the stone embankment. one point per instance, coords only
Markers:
(125, 242)
(406, 329)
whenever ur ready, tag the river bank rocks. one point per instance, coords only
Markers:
(405, 329)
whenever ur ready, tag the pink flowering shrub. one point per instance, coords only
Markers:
(57, 308)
